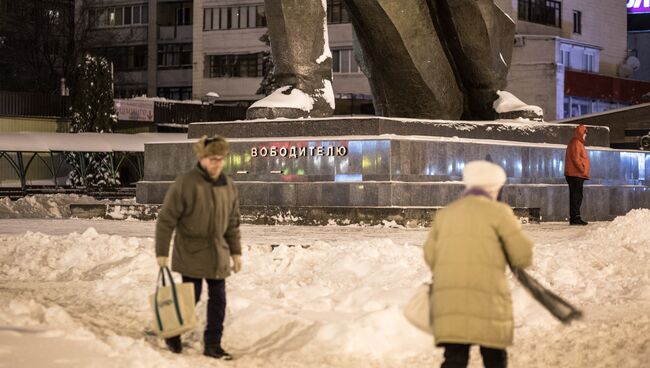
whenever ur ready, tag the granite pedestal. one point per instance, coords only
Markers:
(378, 164)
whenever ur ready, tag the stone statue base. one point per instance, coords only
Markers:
(372, 162)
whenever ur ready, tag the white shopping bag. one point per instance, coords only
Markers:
(173, 306)
(418, 309)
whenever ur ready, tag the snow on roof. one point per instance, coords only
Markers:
(82, 142)
(15, 142)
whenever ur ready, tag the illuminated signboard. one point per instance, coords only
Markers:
(638, 6)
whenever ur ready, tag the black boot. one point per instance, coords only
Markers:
(217, 352)
(174, 344)
(578, 221)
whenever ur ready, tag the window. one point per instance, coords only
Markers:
(343, 61)
(577, 106)
(183, 17)
(566, 58)
(234, 17)
(128, 92)
(239, 66)
(207, 18)
(336, 12)
(53, 16)
(577, 22)
(118, 16)
(126, 58)
(175, 93)
(589, 63)
(175, 55)
(547, 12)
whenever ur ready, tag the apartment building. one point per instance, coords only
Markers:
(228, 53)
(149, 43)
(571, 57)
(188, 49)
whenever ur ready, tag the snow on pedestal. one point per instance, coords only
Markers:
(509, 106)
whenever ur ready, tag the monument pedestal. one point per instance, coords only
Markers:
(392, 164)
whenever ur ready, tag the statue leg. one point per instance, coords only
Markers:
(480, 37)
(404, 59)
(303, 61)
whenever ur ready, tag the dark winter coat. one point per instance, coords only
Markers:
(471, 301)
(576, 162)
(205, 216)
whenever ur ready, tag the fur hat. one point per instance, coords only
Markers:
(215, 145)
(484, 175)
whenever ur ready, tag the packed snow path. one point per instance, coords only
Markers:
(74, 294)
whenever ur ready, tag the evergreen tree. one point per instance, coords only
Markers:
(268, 84)
(93, 110)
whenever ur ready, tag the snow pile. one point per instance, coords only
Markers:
(329, 299)
(507, 102)
(63, 341)
(606, 273)
(320, 296)
(89, 256)
(41, 206)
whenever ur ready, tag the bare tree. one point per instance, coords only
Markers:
(42, 41)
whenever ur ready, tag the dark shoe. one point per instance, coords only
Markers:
(217, 352)
(174, 344)
(578, 221)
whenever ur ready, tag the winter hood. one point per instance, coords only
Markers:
(580, 132)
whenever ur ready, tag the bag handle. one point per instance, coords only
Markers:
(161, 274)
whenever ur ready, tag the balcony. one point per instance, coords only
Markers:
(175, 33)
(545, 12)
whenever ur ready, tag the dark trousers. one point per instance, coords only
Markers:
(216, 308)
(575, 196)
(457, 356)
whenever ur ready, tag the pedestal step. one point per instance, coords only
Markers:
(277, 215)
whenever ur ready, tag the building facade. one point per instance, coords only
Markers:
(562, 48)
(189, 49)
(193, 49)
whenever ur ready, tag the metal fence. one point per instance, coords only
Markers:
(33, 104)
(184, 113)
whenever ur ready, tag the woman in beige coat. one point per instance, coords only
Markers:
(471, 301)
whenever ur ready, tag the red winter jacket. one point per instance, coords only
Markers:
(576, 162)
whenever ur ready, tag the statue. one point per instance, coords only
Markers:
(442, 59)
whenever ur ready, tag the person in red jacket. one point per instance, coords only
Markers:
(576, 171)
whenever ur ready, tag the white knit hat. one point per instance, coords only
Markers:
(484, 175)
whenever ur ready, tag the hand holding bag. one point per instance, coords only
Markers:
(418, 309)
(173, 306)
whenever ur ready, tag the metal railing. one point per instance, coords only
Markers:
(546, 12)
(33, 104)
(183, 113)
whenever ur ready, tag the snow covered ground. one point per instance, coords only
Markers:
(74, 294)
